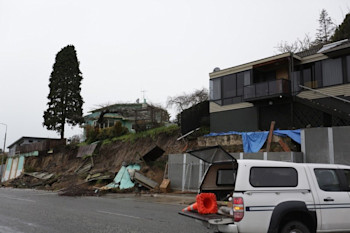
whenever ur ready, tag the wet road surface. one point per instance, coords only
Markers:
(33, 211)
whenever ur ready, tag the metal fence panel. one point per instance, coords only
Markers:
(175, 170)
(192, 176)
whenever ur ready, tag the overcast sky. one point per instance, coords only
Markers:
(124, 47)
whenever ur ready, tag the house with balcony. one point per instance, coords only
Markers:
(296, 90)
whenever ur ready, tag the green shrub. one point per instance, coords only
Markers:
(95, 134)
(117, 130)
(91, 133)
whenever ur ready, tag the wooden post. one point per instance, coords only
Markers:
(272, 126)
(284, 145)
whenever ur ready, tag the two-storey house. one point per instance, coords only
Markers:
(296, 90)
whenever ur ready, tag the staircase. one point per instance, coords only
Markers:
(333, 107)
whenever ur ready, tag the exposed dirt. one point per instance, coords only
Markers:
(107, 160)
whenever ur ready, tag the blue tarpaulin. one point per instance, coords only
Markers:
(253, 141)
(293, 134)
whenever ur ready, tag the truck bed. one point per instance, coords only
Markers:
(202, 217)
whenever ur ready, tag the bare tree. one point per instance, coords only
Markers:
(296, 46)
(184, 101)
(323, 36)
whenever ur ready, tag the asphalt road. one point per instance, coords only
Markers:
(33, 211)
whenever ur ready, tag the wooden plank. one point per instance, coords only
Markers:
(165, 186)
(145, 181)
(284, 145)
(272, 126)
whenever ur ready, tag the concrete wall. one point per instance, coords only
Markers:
(326, 145)
(341, 144)
(244, 119)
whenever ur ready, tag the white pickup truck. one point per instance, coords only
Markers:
(272, 196)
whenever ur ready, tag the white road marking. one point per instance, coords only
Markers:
(123, 215)
(16, 198)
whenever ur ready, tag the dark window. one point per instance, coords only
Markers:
(247, 78)
(270, 76)
(318, 75)
(229, 89)
(296, 81)
(347, 179)
(332, 72)
(229, 86)
(260, 76)
(348, 67)
(240, 83)
(215, 89)
(307, 77)
(226, 177)
(327, 179)
(273, 177)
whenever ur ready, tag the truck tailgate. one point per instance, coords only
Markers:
(202, 217)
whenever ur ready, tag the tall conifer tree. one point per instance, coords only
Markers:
(65, 102)
(343, 31)
(326, 28)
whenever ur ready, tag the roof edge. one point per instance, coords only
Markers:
(27, 137)
(249, 65)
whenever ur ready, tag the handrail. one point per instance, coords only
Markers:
(332, 96)
(282, 84)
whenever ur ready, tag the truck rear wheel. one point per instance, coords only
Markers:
(295, 227)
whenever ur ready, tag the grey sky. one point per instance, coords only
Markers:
(163, 47)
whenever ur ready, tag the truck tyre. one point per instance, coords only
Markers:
(295, 227)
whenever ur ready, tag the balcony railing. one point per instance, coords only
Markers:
(267, 89)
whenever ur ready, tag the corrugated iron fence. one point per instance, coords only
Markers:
(13, 168)
(185, 172)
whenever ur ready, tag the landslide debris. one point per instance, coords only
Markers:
(72, 175)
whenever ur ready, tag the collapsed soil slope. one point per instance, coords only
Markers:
(107, 159)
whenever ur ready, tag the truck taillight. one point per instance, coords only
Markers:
(238, 209)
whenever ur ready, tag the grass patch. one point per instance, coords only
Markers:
(152, 133)
(106, 141)
(82, 144)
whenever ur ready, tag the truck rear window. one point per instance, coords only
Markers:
(225, 177)
(273, 177)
